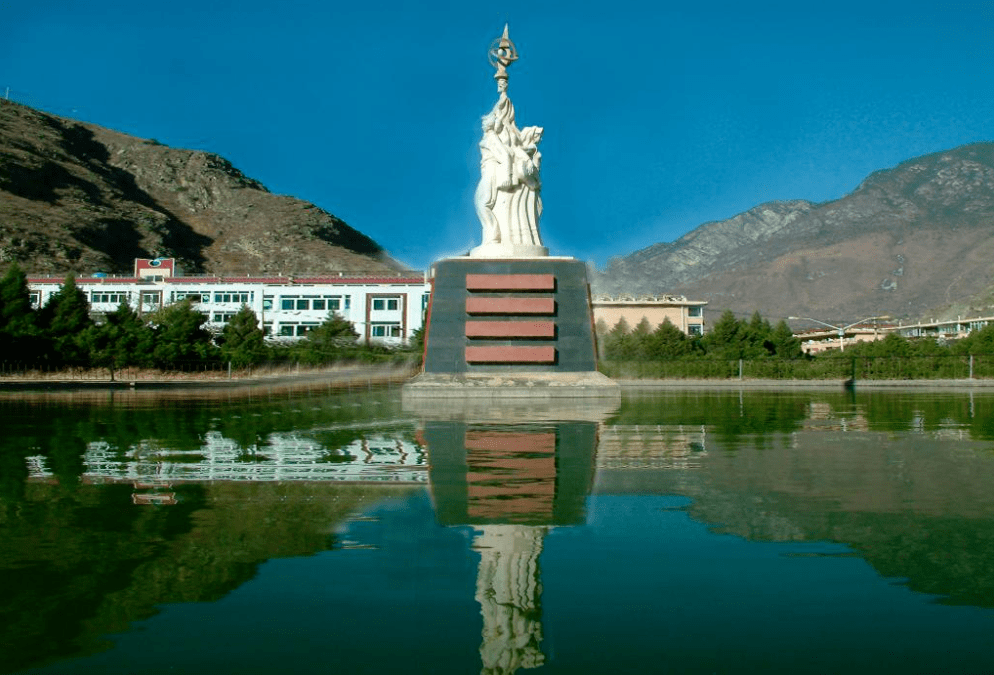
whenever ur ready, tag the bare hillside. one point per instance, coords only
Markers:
(909, 241)
(78, 197)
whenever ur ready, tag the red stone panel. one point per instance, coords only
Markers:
(510, 282)
(510, 305)
(510, 354)
(510, 329)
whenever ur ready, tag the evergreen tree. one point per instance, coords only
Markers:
(639, 340)
(65, 321)
(122, 340)
(668, 342)
(17, 318)
(724, 340)
(242, 342)
(785, 345)
(892, 345)
(978, 342)
(180, 335)
(16, 314)
(332, 340)
(617, 342)
(757, 338)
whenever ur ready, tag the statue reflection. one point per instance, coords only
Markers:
(512, 484)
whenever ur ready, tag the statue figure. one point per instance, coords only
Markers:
(507, 199)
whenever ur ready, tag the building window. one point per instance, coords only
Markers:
(386, 303)
(694, 329)
(222, 317)
(240, 298)
(297, 329)
(116, 297)
(267, 302)
(694, 311)
(35, 299)
(288, 302)
(192, 296)
(385, 330)
(150, 300)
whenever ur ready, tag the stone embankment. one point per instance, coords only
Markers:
(207, 385)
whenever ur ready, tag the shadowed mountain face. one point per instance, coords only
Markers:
(81, 198)
(908, 241)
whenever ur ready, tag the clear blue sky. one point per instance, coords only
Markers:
(658, 117)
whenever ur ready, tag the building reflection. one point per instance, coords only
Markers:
(512, 483)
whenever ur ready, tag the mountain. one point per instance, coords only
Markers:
(81, 198)
(909, 241)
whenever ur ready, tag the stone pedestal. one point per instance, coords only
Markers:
(521, 326)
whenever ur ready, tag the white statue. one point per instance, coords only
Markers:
(508, 200)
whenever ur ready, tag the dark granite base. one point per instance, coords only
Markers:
(531, 293)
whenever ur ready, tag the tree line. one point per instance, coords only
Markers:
(62, 333)
(729, 339)
(733, 339)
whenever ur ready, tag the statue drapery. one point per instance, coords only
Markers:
(508, 198)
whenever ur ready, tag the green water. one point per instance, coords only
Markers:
(684, 532)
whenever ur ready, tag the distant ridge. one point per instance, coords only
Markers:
(909, 241)
(81, 198)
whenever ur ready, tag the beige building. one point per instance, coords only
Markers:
(687, 315)
(817, 340)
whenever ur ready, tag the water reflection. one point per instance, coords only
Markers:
(523, 533)
(512, 484)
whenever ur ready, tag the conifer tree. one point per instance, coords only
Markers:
(17, 317)
(668, 342)
(242, 342)
(65, 321)
(617, 342)
(785, 345)
(180, 335)
(122, 340)
(639, 340)
(724, 340)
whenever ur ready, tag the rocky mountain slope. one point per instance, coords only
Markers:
(909, 241)
(78, 197)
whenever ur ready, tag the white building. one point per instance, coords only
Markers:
(383, 309)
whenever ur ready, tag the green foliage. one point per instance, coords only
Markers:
(668, 342)
(180, 335)
(618, 342)
(242, 342)
(726, 337)
(785, 345)
(977, 342)
(734, 339)
(122, 340)
(17, 318)
(16, 314)
(417, 343)
(333, 340)
(65, 321)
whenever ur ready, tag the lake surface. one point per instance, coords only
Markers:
(684, 532)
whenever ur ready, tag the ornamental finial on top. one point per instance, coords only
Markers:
(502, 54)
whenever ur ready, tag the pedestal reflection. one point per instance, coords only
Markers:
(512, 484)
